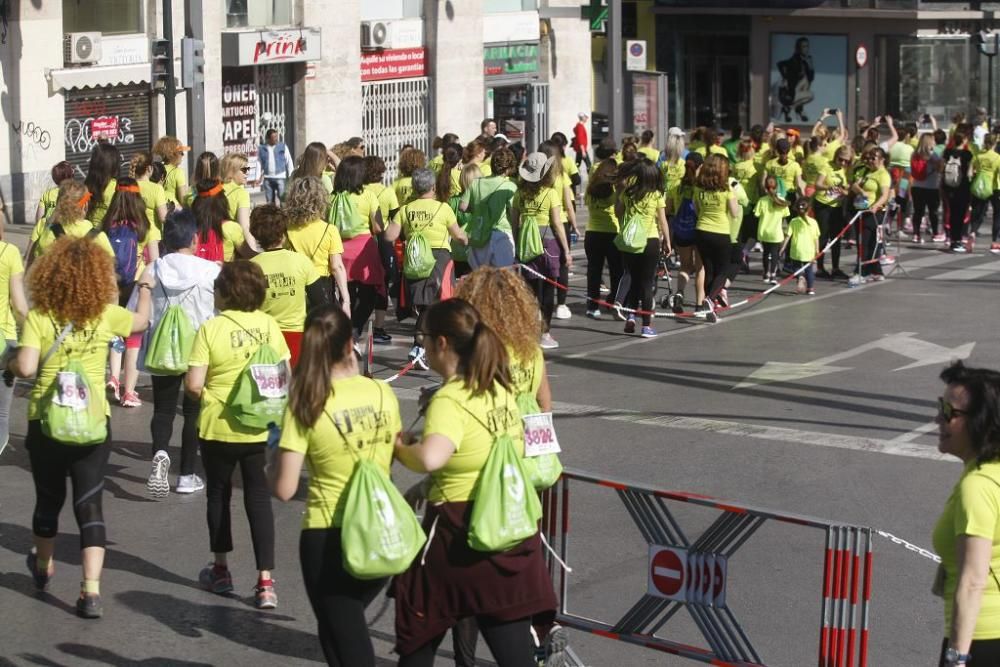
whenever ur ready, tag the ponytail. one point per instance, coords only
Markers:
(140, 163)
(482, 357)
(327, 332)
(452, 155)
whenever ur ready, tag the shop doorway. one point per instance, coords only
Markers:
(717, 91)
(521, 112)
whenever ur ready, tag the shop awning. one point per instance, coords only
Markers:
(71, 78)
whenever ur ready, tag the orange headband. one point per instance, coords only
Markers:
(216, 189)
(128, 188)
(84, 200)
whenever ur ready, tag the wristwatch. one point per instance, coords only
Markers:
(953, 657)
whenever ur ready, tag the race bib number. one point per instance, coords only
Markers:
(271, 379)
(71, 392)
(539, 435)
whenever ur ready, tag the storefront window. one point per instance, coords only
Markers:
(244, 13)
(500, 6)
(110, 17)
(939, 76)
(373, 10)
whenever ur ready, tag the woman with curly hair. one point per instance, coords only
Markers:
(171, 151)
(309, 234)
(410, 160)
(102, 172)
(68, 219)
(73, 317)
(219, 238)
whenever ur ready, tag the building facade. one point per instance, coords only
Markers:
(733, 63)
(394, 72)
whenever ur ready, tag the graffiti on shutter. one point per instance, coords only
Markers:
(118, 114)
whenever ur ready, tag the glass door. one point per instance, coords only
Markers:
(717, 91)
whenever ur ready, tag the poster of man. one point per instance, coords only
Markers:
(808, 75)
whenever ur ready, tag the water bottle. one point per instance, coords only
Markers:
(118, 344)
(573, 237)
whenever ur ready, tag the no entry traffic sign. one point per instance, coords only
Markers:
(668, 572)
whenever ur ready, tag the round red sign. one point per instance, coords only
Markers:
(667, 571)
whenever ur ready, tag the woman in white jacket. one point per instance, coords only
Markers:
(178, 278)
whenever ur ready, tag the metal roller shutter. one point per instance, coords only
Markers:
(128, 105)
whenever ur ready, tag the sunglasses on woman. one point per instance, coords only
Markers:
(245, 170)
(947, 411)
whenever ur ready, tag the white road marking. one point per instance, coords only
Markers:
(935, 259)
(971, 273)
(916, 433)
(743, 430)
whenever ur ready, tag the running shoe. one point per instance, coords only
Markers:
(766, 279)
(41, 578)
(938, 238)
(773, 280)
(563, 312)
(594, 314)
(605, 289)
(157, 484)
(380, 337)
(416, 357)
(556, 643)
(824, 274)
(630, 324)
(216, 579)
(958, 248)
(723, 298)
(648, 332)
(887, 260)
(189, 484)
(757, 247)
(877, 278)
(710, 315)
(115, 387)
(264, 596)
(548, 342)
(917, 239)
(810, 292)
(839, 275)
(88, 605)
(619, 313)
(677, 303)
(995, 248)
(130, 399)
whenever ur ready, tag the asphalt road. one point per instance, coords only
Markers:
(815, 405)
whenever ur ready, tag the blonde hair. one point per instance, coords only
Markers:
(925, 145)
(505, 305)
(68, 207)
(470, 172)
(230, 164)
(306, 201)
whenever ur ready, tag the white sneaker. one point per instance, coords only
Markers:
(563, 312)
(594, 314)
(189, 484)
(548, 342)
(157, 484)
(418, 357)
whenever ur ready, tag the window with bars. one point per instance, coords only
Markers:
(394, 114)
(258, 13)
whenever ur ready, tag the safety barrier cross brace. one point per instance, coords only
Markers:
(686, 573)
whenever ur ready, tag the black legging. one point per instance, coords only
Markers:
(770, 258)
(929, 200)
(831, 221)
(51, 461)
(220, 460)
(868, 245)
(600, 247)
(165, 391)
(362, 303)
(714, 251)
(510, 644)
(958, 206)
(545, 293)
(979, 212)
(338, 600)
(641, 268)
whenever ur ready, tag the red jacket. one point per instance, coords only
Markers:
(580, 137)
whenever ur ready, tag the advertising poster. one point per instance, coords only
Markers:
(808, 74)
(239, 114)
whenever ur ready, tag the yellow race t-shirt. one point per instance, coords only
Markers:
(875, 184)
(539, 206)
(287, 274)
(96, 216)
(713, 210)
(470, 423)
(238, 198)
(436, 163)
(232, 238)
(804, 234)
(48, 201)
(225, 344)
(10, 266)
(651, 153)
(789, 172)
(88, 345)
(360, 420)
(430, 218)
(746, 173)
(673, 174)
(647, 207)
(813, 167)
(153, 196)
(386, 197)
(770, 220)
(832, 146)
(75, 230)
(526, 374)
(317, 240)
(972, 509)
(175, 180)
(602, 217)
(987, 162)
(404, 189)
(832, 178)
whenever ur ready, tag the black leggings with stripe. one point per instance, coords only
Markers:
(51, 461)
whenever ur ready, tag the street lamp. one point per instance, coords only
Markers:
(988, 44)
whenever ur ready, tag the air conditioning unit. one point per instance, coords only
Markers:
(376, 35)
(81, 47)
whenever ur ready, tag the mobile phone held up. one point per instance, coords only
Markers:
(830, 112)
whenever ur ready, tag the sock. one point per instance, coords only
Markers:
(90, 586)
(42, 564)
(265, 582)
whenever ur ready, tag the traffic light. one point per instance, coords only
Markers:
(160, 57)
(192, 62)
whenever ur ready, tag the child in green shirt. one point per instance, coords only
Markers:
(802, 243)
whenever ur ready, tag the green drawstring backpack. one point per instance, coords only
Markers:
(170, 345)
(419, 262)
(505, 509)
(529, 239)
(260, 393)
(543, 470)
(380, 535)
(484, 218)
(344, 215)
(71, 413)
(460, 251)
(632, 237)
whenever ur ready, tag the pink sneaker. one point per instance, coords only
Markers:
(130, 399)
(115, 387)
